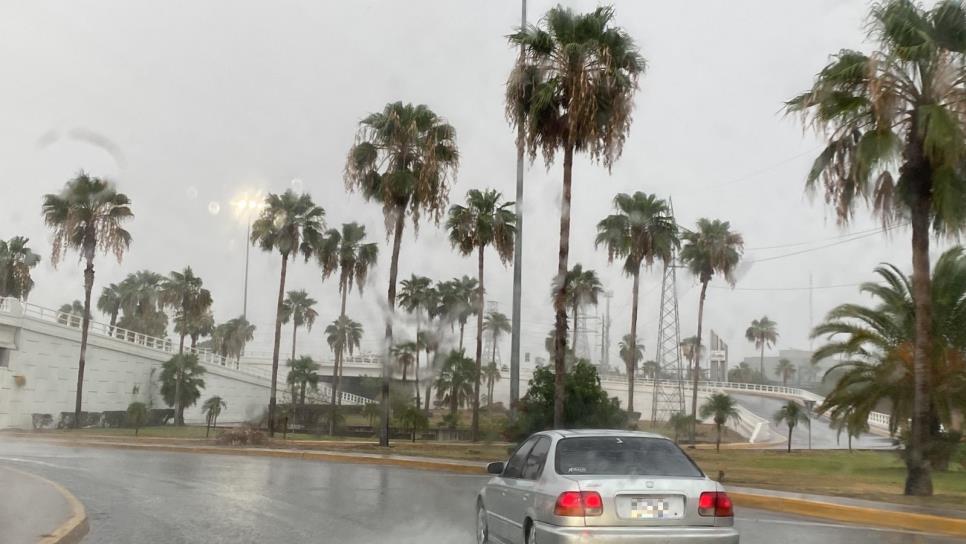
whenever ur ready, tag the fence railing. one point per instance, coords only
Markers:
(17, 308)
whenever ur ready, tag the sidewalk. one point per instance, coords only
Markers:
(34, 509)
(845, 501)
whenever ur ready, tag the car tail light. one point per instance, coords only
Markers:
(715, 503)
(579, 503)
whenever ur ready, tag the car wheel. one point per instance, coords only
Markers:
(482, 529)
(532, 533)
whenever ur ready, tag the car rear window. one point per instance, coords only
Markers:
(623, 455)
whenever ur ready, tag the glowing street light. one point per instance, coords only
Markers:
(246, 206)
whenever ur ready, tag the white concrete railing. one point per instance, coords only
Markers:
(17, 308)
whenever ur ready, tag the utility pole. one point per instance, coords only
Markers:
(811, 322)
(517, 258)
(605, 337)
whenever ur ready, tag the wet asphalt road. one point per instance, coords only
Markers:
(139, 496)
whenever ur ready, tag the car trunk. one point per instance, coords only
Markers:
(640, 501)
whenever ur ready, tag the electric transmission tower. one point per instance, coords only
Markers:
(668, 394)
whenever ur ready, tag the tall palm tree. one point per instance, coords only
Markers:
(142, 304)
(785, 370)
(182, 382)
(455, 382)
(457, 300)
(491, 373)
(650, 369)
(417, 296)
(405, 353)
(229, 338)
(583, 287)
(875, 347)
(346, 252)
(791, 414)
(430, 340)
(183, 291)
(212, 409)
(405, 158)
(710, 249)
(896, 132)
(764, 333)
(572, 89)
(109, 303)
(641, 230)
(298, 307)
(721, 408)
(484, 221)
(631, 356)
(302, 372)
(197, 325)
(290, 224)
(497, 324)
(87, 217)
(343, 336)
(16, 261)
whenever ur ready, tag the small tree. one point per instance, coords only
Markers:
(183, 368)
(721, 408)
(413, 419)
(137, 415)
(792, 414)
(681, 423)
(212, 409)
(371, 411)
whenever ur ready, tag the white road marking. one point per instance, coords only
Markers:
(830, 525)
(35, 462)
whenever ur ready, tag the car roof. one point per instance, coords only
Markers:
(571, 433)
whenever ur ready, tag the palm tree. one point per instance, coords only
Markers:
(212, 409)
(484, 221)
(416, 296)
(405, 158)
(791, 414)
(229, 338)
(87, 217)
(692, 351)
(197, 325)
(429, 340)
(573, 91)
(458, 301)
(109, 303)
(721, 408)
(652, 370)
(583, 287)
(183, 291)
(290, 224)
(764, 333)
(71, 314)
(405, 353)
(371, 411)
(298, 308)
(142, 304)
(630, 356)
(497, 324)
(897, 110)
(641, 230)
(709, 250)
(875, 347)
(345, 251)
(302, 372)
(181, 375)
(455, 382)
(16, 261)
(343, 336)
(491, 373)
(785, 370)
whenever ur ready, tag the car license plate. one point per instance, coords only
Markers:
(652, 507)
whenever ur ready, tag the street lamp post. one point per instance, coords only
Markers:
(247, 205)
(517, 260)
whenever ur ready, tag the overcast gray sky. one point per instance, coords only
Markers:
(199, 102)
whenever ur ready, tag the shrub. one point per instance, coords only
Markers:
(42, 421)
(242, 436)
(114, 418)
(87, 419)
(160, 416)
(136, 415)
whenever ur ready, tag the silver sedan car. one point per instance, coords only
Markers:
(602, 487)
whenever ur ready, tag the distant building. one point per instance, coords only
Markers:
(718, 359)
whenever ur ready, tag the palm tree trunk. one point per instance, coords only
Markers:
(429, 386)
(302, 394)
(918, 470)
(405, 368)
(631, 363)
(462, 325)
(560, 297)
(717, 442)
(574, 342)
(761, 361)
(295, 331)
(337, 366)
(178, 408)
(88, 287)
(493, 355)
(697, 361)
(277, 345)
(393, 272)
(789, 450)
(416, 370)
(475, 425)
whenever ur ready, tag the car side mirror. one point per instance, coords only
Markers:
(495, 468)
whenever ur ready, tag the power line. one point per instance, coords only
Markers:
(765, 169)
(839, 286)
(803, 251)
(840, 237)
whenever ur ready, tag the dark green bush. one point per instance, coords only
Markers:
(114, 418)
(42, 421)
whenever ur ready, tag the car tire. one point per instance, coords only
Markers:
(531, 533)
(482, 527)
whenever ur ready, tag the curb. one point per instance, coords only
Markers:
(75, 527)
(908, 521)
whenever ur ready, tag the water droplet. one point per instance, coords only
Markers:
(191, 192)
(214, 207)
(297, 185)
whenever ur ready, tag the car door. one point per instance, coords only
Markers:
(498, 506)
(520, 492)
